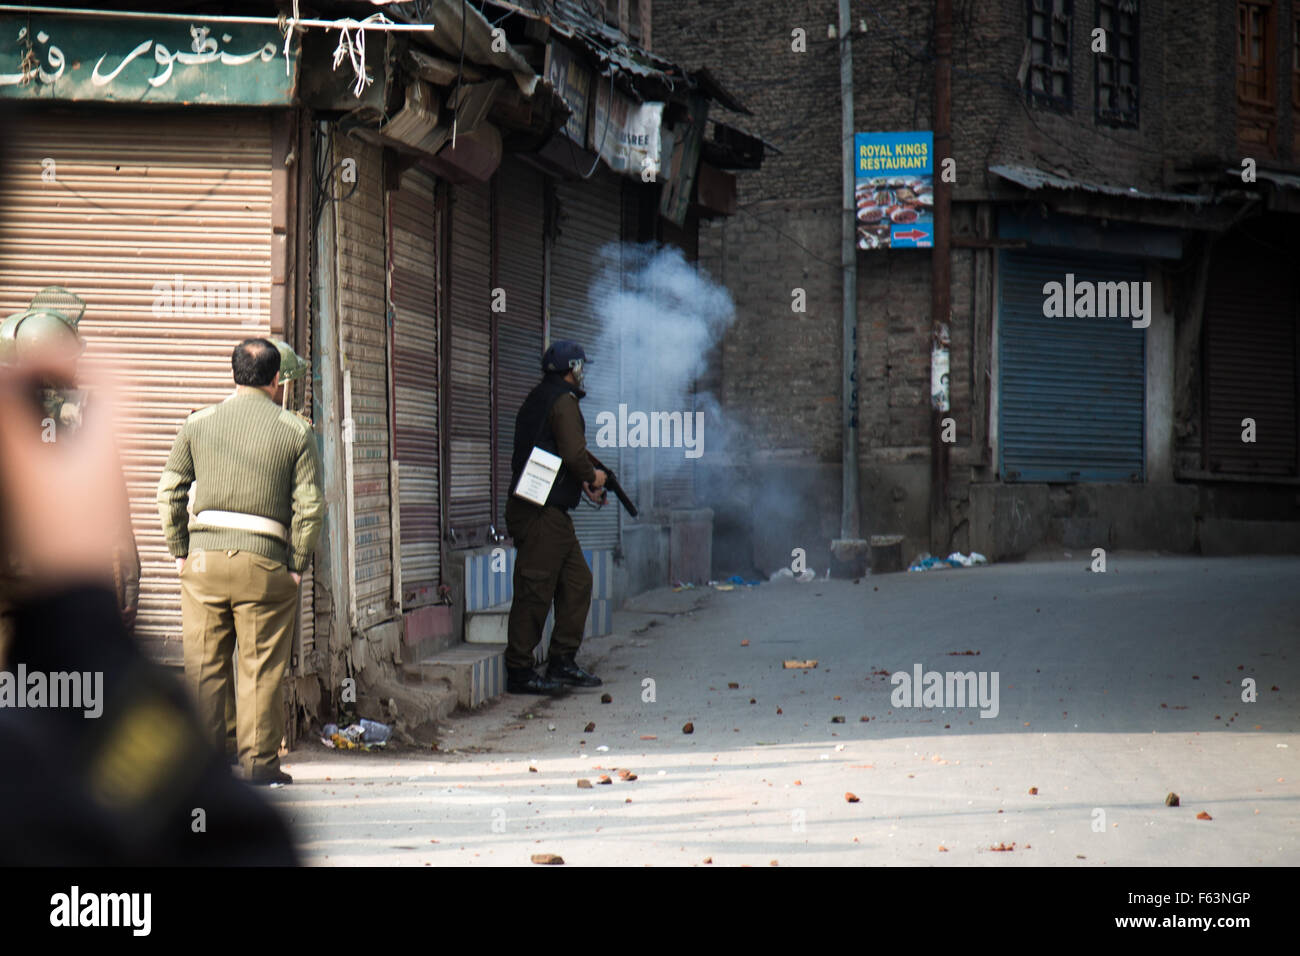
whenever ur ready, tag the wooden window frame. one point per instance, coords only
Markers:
(1108, 92)
(1295, 59)
(1049, 56)
(1269, 55)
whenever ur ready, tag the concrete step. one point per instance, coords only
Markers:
(476, 672)
(487, 626)
(435, 701)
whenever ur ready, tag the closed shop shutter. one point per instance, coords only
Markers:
(1250, 361)
(590, 217)
(519, 221)
(469, 493)
(135, 200)
(1071, 390)
(360, 268)
(413, 278)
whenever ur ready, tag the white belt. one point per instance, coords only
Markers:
(242, 522)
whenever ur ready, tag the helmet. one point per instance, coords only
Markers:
(565, 356)
(292, 365)
(50, 321)
(25, 332)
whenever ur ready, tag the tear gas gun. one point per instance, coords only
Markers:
(611, 482)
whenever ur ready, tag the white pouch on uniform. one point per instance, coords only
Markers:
(538, 476)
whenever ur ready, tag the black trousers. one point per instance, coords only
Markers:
(549, 569)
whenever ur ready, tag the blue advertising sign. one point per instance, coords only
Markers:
(894, 189)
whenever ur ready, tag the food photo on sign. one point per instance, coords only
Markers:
(894, 189)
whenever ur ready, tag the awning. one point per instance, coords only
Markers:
(1033, 178)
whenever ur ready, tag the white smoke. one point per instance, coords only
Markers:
(664, 316)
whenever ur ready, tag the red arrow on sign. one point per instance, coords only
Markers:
(913, 234)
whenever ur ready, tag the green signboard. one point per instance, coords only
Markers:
(76, 59)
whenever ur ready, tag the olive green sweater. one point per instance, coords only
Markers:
(250, 456)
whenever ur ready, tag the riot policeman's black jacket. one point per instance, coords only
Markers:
(552, 422)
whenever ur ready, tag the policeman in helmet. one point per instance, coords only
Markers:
(550, 566)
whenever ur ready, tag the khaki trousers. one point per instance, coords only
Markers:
(240, 603)
(549, 567)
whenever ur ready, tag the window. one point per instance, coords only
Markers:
(1117, 67)
(1256, 78)
(1295, 62)
(1049, 76)
(1254, 53)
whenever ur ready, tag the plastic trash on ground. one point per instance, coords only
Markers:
(927, 562)
(366, 735)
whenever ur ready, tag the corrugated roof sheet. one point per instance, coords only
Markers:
(1033, 178)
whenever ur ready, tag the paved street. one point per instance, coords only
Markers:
(1114, 690)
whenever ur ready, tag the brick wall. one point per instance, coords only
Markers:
(780, 372)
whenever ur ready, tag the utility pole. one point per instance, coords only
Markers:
(849, 517)
(940, 272)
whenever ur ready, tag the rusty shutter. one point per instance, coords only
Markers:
(589, 227)
(413, 285)
(469, 493)
(132, 201)
(520, 214)
(360, 268)
(1250, 361)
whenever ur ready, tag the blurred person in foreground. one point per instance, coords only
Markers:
(133, 780)
(50, 326)
(258, 512)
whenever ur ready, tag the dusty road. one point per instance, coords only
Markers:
(1113, 689)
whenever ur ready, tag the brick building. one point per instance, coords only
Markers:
(1115, 166)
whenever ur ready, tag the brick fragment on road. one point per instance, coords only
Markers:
(550, 859)
(604, 778)
(1204, 816)
(1171, 800)
(799, 665)
(688, 728)
(584, 784)
(606, 699)
(1033, 791)
(851, 798)
(591, 725)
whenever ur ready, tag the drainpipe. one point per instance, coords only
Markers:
(325, 363)
(941, 271)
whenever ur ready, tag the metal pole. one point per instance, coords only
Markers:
(849, 516)
(941, 268)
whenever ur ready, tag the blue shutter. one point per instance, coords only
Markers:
(1071, 391)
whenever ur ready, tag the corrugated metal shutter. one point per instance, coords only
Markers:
(520, 222)
(136, 200)
(363, 316)
(1250, 361)
(469, 495)
(413, 277)
(1072, 400)
(590, 218)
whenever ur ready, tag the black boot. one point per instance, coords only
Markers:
(525, 680)
(565, 669)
